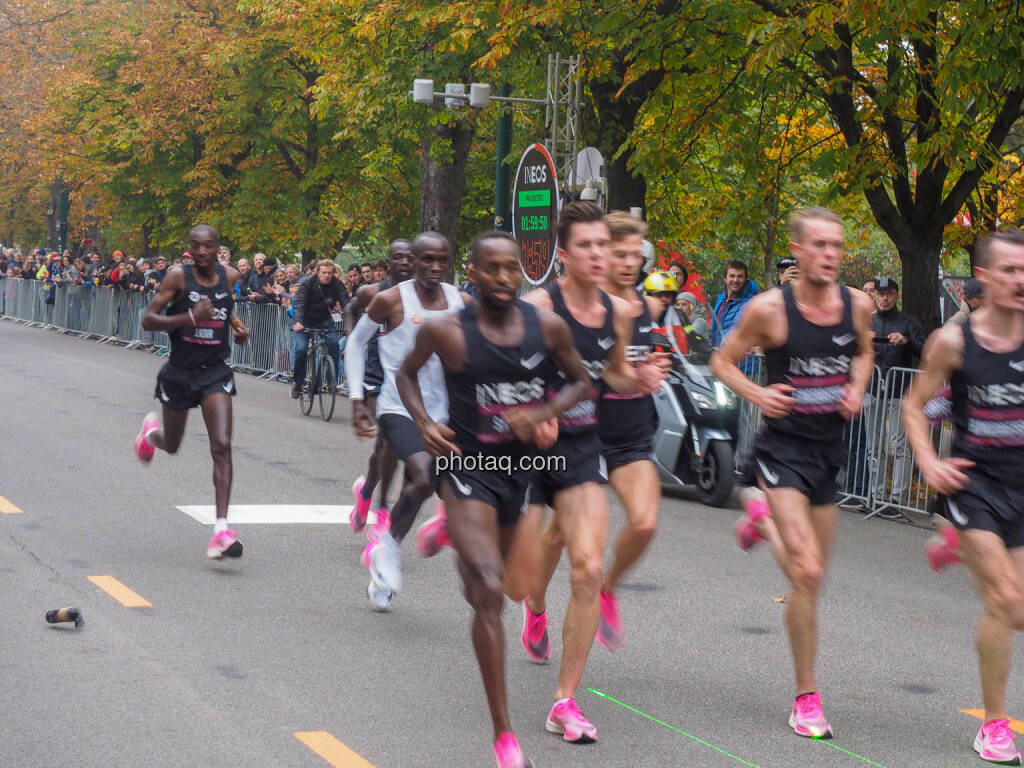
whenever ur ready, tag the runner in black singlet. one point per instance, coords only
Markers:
(626, 425)
(570, 481)
(983, 362)
(383, 460)
(498, 355)
(818, 356)
(199, 304)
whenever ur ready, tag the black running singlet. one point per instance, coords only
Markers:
(594, 345)
(374, 370)
(207, 344)
(988, 410)
(815, 361)
(629, 418)
(494, 380)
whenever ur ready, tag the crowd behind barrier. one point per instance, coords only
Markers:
(880, 477)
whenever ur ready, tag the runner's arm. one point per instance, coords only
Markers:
(750, 331)
(170, 289)
(559, 342)
(355, 355)
(862, 366)
(357, 304)
(430, 340)
(619, 374)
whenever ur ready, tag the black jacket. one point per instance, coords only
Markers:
(896, 355)
(314, 301)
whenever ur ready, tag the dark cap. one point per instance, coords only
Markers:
(270, 261)
(884, 284)
(972, 288)
(785, 263)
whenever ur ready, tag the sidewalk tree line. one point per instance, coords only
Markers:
(288, 123)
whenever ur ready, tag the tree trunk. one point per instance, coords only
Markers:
(308, 255)
(920, 284)
(445, 150)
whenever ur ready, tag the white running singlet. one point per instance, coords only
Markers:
(397, 343)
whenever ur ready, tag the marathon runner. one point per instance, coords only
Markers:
(627, 423)
(403, 308)
(983, 361)
(602, 328)
(498, 355)
(817, 344)
(383, 461)
(199, 303)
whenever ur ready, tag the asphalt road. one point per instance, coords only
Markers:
(232, 659)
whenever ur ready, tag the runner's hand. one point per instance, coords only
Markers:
(437, 438)
(850, 404)
(524, 421)
(241, 332)
(651, 372)
(945, 475)
(776, 401)
(545, 435)
(203, 310)
(362, 421)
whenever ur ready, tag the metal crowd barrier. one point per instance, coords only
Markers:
(881, 476)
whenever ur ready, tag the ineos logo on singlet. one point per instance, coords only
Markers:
(510, 392)
(595, 368)
(637, 353)
(996, 394)
(819, 366)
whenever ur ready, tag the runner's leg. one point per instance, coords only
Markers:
(636, 485)
(419, 468)
(520, 547)
(551, 542)
(216, 409)
(172, 430)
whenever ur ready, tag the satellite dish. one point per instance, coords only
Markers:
(589, 166)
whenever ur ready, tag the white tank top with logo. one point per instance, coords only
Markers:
(397, 343)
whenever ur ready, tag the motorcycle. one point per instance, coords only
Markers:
(698, 421)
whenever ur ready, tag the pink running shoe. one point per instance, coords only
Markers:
(610, 632)
(565, 718)
(807, 718)
(941, 548)
(143, 448)
(508, 753)
(357, 520)
(224, 544)
(995, 743)
(755, 508)
(432, 536)
(365, 557)
(380, 526)
(535, 634)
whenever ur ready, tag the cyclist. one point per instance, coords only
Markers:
(317, 304)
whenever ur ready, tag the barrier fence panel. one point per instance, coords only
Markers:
(856, 480)
(750, 415)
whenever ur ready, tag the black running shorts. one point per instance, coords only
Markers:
(181, 389)
(506, 493)
(986, 504)
(573, 460)
(619, 455)
(808, 467)
(401, 434)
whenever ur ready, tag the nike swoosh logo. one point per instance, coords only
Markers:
(163, 395)
(228, 387)
(843, 340)
(771, 477)
(607, 343)
(532, 361)
(221, 295)
(646, 328)
(1017, 365)
(956, 514)
(464, 489)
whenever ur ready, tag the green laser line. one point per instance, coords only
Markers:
(672, 727)
(712, 746)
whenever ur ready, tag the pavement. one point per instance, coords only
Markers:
(277, 659)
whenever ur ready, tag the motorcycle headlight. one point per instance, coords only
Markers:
(725, 396)
(703, 401)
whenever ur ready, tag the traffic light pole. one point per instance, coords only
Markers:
(502, 173)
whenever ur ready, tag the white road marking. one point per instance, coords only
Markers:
(276, 514)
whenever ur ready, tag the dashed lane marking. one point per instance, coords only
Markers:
(1015, 725)
(274, 514)
(125, 596)
(7, 508)
(330, 749)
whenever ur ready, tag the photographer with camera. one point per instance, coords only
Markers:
(786, 270)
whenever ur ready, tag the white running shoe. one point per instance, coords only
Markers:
(380, 600)
(386, 564)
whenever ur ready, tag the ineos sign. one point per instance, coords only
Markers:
(535, 212)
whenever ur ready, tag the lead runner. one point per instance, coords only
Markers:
(817, 341)
(199, 303)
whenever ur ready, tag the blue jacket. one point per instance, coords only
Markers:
(727, 311)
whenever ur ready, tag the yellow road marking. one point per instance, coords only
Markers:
(7, 508)
(332, 750)
(121, 593)
(1015, 725)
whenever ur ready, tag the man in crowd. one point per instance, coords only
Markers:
(898, 340)
(241, 285)
(380, 271)
(354, 279)
(259, 292)
(318, 304)
(739, 289)
(366, 272)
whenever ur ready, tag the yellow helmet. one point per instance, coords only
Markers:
(661, 282)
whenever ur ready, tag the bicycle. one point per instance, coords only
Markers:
(321, 376)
